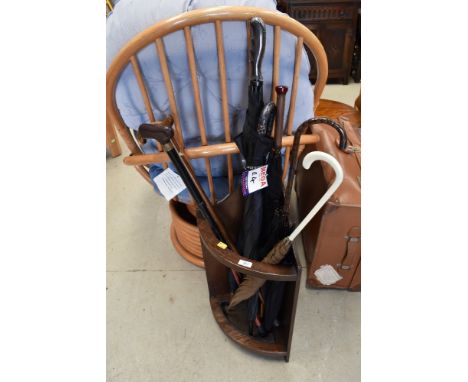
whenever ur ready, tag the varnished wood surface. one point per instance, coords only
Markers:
(112, 142)
(209, 151)
(231, 259)
(276, 62)
(210, 208)
(335, 23)
(185, 235)
(142, 87)
(234, 325)
(222, 13)
(230, 211)
(178, 244)
(198, 106)
(292, 101)
(170, 92)
(274, 349)
(224, 97)
(217, 15)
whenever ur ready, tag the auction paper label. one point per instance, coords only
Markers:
(254, 180)
(169, 183)
(245, 263)
(327, 275)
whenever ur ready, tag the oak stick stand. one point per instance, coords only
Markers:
(217, 264)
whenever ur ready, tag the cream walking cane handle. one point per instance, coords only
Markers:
(306, 163)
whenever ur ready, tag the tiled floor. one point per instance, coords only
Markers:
(159, 323)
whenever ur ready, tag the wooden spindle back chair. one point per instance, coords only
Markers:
(183, 22)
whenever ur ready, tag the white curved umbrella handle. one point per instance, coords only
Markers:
(306, 163)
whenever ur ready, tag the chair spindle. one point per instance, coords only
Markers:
(198, 106)
(292, 102)
(223, 88)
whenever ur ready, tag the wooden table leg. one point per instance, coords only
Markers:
(112, 142)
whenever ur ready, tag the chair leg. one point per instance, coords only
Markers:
(112, 142)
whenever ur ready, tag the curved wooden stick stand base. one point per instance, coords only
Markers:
(217, 264)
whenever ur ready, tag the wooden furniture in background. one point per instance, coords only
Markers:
(183, 239)
(356, 62)
(335, 24)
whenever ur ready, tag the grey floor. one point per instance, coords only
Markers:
(159, 323)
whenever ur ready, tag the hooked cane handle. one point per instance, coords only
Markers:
(306, 163)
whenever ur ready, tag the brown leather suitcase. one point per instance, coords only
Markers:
(333, 237)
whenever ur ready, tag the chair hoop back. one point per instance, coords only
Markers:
(184, 21)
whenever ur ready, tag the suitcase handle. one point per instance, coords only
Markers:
(306, 163)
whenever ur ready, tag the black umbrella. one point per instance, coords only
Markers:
(274, 228)
(254, 148)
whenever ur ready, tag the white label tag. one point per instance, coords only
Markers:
(254, 180)
(327, 275)
(244, 263)
(169, 183)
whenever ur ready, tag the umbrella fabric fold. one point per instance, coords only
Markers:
(254, 148)
(278, 223)
(251, 284)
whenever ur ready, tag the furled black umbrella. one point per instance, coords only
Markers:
(254, 148)
(277, 226)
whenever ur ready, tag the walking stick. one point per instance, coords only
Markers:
(280, 101)
(164, 135)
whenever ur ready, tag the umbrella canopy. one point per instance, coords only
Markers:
(277, 228)
(254, 148)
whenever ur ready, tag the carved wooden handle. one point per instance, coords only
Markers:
(163, 134)
(280, 102)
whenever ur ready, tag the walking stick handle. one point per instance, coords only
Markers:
(163, 134)
(306, 163)
(280, 103)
